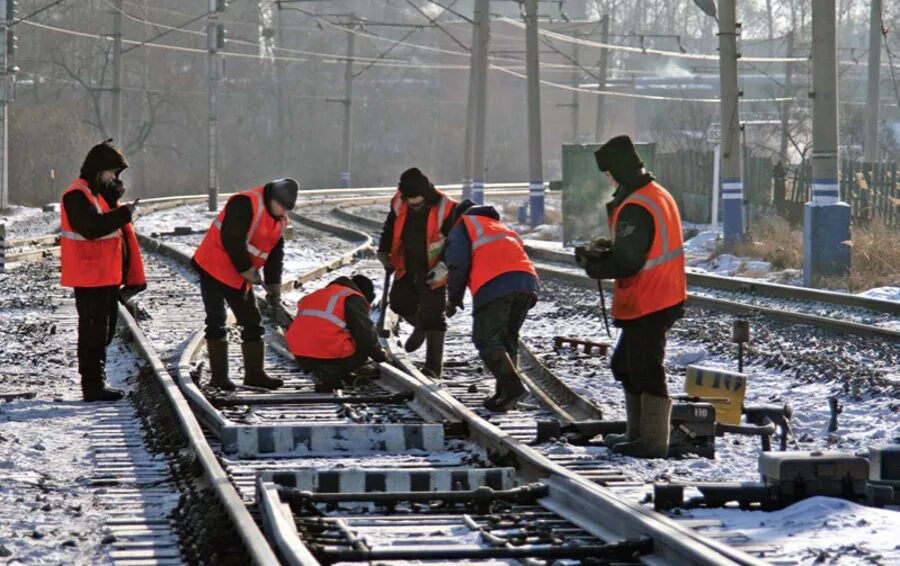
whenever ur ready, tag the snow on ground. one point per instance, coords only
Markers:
(883, 293)
(50, 511)
(26, 222)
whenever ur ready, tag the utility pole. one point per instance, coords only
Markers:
(575, 75)
(601, 78)
(732, 185)
(213, 39)
(4, 106)
(826, 220)
(873, 94)
(469, 149)
(483, 30)
(786, 105)
(535, 158)
(348, 105)
(117, 74)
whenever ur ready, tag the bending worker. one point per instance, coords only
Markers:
(100, 255)
(245, 237)
(646, 258)
(486, 255)
(412, 245)
(332, 335)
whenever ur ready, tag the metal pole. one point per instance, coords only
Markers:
(4, 109)
(483, 30)
(575, 75)
(535, 159)
(873, 93)
(469, 149)
(826, 222)
(348, 107)
(117, 74)
(717, 158)
(786, 105)
(212, 73)
(732, 185)
(601, 82)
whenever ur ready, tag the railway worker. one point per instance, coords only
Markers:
(245, 237)
(412, 245)
(646, 258)
(486, 255)
(101, 260)
(332, 335)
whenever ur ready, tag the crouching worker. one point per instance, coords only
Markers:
(646, 258)
(486, 255)
(101, 260)
(332, 335)
(245, 237)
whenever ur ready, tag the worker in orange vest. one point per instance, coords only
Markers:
(412, 246)
(332, 335)
(488, 257)
(246, 237)
(645, 256)
(101, 260)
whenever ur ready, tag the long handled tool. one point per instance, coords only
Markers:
(385, 291)
(603, 307)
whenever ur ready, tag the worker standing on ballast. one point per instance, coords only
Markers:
(245, 237)
(412, 245)
(101, 260)
(645, 256)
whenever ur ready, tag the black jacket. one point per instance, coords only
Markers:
(235, 225)
(360, 326)
(414, 236)
(635, 230)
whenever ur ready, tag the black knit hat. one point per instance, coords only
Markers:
(414, 183)
(284, 191)
(365, 285)
(618, 156)
(102, 157)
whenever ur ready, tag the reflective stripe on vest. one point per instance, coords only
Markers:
(79, 237)
(481, 239)
(435, 242)
(328, 313)
(508, 254)
(663, 232)
(259, 206)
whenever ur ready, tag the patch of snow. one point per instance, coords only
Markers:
(883, 293)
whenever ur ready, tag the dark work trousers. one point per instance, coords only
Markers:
(418, 303)
(242, 304)
(638, 359)
(496, 325)
(337, 368)
(97, 316)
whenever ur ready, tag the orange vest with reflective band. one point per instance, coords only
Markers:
(661, 283)
(263, 235)
(320, 328)
(435, 241)
(98, 262)
(495, 250)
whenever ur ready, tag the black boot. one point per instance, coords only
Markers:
(254, 366)
(92, 367)
(415, 340)
(508, 382)
(218, 364)
(327, 380)
(434, 354)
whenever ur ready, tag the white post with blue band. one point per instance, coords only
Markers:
(826, 219)
(533, 83)
(732, 209)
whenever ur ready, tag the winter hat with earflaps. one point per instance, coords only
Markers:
(102, 157)
(619, 157)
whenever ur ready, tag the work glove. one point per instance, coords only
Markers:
(385, 259)
(451, 309)
(252, 276)
(273, 295)
(438, 274)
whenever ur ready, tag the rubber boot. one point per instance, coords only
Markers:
(254, 370)
(91, 366)
(508, 382)
(218, 364)
(415, 340)
(434, 354)
(632, 423)
(653, 442)
(326, 380)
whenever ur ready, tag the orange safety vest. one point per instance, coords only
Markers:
(320, 328)
(435, 240)
(262, 237)
(495, 250)
(97, 262)
(661, 283)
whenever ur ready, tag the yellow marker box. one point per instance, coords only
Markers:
(719, 384)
